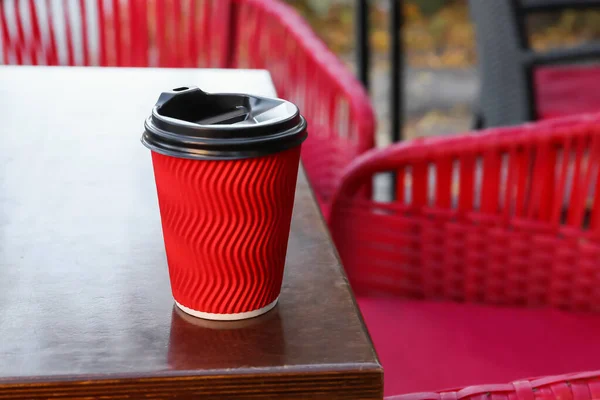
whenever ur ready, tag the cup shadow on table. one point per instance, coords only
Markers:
(197, 344)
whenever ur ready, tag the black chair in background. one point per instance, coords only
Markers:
(509, 68)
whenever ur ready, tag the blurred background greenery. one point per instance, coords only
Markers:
(441, 80)
(437, 33)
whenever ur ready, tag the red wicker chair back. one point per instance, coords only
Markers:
(131, 33)
(506, 216)
(578, 386)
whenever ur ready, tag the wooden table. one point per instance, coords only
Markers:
(85, 303)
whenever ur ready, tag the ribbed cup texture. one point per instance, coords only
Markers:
(226, 226)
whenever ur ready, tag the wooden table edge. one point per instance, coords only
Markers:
(324, 226)
(347, 381)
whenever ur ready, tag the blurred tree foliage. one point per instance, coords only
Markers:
(438, 33)
(569, 28)
(430, 7)
(427, 7)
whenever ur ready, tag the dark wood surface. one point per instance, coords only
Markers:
(85, 303)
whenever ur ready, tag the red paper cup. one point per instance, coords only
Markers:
(225, 210)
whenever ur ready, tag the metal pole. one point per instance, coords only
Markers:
(397, 70)
(396, 77)
(362, 41)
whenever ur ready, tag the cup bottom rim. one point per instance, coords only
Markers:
(228, 317)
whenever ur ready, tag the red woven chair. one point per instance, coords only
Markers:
(582, 386)
(503, 218)
(270, 35)
(131, 33)
(265, 34)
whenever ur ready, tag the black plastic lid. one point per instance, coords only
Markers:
(189, 123)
